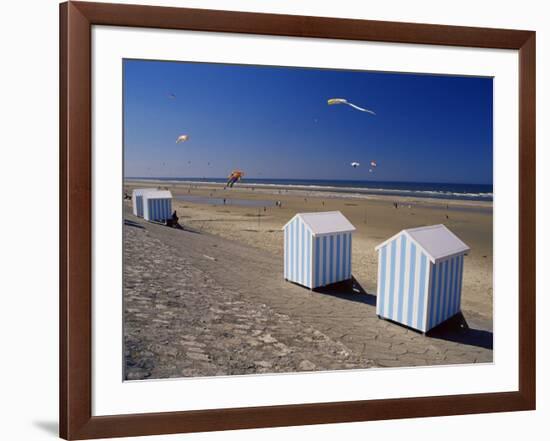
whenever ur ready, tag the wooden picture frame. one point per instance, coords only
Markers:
(76, 20)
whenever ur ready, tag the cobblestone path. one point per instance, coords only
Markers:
(199, 305)
(180, 323)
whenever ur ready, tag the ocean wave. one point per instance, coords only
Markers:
(349, 190)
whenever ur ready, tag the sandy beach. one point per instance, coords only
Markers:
(375, 218)
(247, 220)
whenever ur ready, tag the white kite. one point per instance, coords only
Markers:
(355, 164)
(333, 101)
(182, 138)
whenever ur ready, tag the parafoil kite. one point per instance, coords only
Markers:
(334, 101)
(235, 176)
(355, 164)
(182, 138)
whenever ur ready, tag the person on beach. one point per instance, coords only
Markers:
(173, 221)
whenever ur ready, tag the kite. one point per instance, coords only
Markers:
(373, 164)
(355, 164)
(182, 138)
(172, 96)
(333, 101)
(235, 176)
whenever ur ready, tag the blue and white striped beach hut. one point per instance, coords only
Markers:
(157, 205)
(137, 200)
(420, 276)
(317, 249)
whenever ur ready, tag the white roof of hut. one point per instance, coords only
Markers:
(437, 241)
(325, 222)
(140, 191)
(158, 194)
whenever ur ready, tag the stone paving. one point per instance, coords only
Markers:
(199, 305)
(180, 323)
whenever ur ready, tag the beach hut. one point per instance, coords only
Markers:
(317, 249)
(137, 200)
(157, 205)
(420, 276)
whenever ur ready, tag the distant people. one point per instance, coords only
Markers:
(223, 201)
(265, 209)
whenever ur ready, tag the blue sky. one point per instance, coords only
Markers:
(274, 122)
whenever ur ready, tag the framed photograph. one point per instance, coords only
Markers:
(272, 220)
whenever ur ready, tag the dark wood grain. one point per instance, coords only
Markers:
(298, 26)
(76, 420)
(527, 220)
(75, 214)
(63, 188)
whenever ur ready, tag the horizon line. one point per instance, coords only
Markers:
(308, 179)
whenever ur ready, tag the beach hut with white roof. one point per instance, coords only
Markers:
(420, 276)
(137, 200)
(317, 249)
(157, 205)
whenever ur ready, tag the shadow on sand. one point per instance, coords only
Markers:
(348, 290)
(457, 330)
(130, 223)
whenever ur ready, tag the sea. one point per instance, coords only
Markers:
(467, 192)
